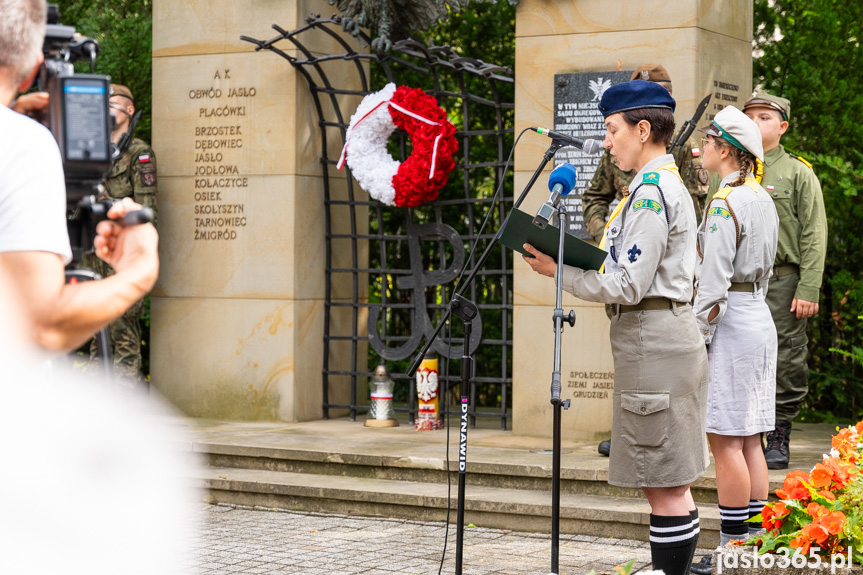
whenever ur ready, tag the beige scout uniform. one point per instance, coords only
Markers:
(659, 358)
(737, 244)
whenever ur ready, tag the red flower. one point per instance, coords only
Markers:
(793, 487)
(771, 515)
(412, 183)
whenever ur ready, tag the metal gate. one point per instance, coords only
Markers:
(404, 261)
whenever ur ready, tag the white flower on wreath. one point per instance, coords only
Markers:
(366, 148)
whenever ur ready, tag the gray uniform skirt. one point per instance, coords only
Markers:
(742, 357)
(660, 391)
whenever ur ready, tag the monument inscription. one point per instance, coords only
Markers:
(576, 114)
(219, 216)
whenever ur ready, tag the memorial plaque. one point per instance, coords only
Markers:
(576, 114)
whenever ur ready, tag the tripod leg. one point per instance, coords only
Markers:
(103, 344)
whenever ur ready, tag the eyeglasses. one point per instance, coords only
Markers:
(704, 142)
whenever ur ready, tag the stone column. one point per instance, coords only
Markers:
(238, 313)
(706, 47)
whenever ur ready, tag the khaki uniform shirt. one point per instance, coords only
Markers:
(796, 192)
(133, 175)
(610, 182)
(651, 244)
(736, 243)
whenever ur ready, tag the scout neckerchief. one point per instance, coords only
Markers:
(671, 167)
(722, 194)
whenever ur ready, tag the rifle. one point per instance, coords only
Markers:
(689, 125)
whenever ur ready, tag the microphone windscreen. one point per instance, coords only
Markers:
(565, 175)
(592, 147)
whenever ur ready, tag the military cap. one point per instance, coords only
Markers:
(736, 128)
(121, 90)
(634, 95)
(761, 99)
(651, 73)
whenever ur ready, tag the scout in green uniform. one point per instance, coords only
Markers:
(796, 281)
(133, 174)
(610, 182)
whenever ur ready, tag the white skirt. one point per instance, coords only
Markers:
(741, 391)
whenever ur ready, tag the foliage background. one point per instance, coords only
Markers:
(809, 52)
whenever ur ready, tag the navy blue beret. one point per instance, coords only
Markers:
(633, 95)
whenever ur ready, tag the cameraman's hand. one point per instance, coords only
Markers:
(31, 104)
(130, 250)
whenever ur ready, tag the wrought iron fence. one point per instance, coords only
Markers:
(390, 271)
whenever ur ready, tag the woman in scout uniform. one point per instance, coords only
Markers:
(737, 244)
(659, 358)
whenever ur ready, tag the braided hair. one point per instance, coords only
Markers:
(745, 160)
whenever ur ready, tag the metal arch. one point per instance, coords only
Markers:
(391, 267)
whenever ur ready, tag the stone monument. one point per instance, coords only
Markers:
(238, 312)
(706, 47)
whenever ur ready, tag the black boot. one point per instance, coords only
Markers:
(704, 566)
(776, 451)
(604, 447)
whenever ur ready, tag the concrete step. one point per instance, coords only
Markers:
(341, 467)
(504, 508)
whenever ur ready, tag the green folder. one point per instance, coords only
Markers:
(577, 253)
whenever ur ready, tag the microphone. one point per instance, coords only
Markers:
(560, 182)
(586, 146)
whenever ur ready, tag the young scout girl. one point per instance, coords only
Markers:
(660, 362)
(737, 244)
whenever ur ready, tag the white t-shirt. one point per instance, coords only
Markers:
(32, 188)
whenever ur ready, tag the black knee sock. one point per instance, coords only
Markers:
(696, 529)
(733, 523)
(671, 542)
(755, 508)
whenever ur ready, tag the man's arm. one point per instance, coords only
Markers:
(813, 244)
(64, 316)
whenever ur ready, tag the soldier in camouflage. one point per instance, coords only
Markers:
(610, 182)
(133, 174)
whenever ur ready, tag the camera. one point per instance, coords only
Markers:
(77, 113)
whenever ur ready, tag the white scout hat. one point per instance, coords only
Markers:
(736, 128)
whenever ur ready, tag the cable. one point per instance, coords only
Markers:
(447, 414)
(490, 210)
(467, 261)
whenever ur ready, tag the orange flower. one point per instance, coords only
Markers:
(833, 522)
(821, 476)
(841, 472)
(816, 532)
(769, 519)
(827, 495)
(793, 487)
(780, 509)
(802, 543)
(816, 510)
(845, 442)
(859, 428)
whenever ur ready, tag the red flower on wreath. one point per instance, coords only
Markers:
(413, 185)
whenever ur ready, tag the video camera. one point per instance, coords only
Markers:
(78, 117)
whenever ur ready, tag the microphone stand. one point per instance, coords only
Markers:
(467, 311)
(558, 405)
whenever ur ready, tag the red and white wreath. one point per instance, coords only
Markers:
(418, 179)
